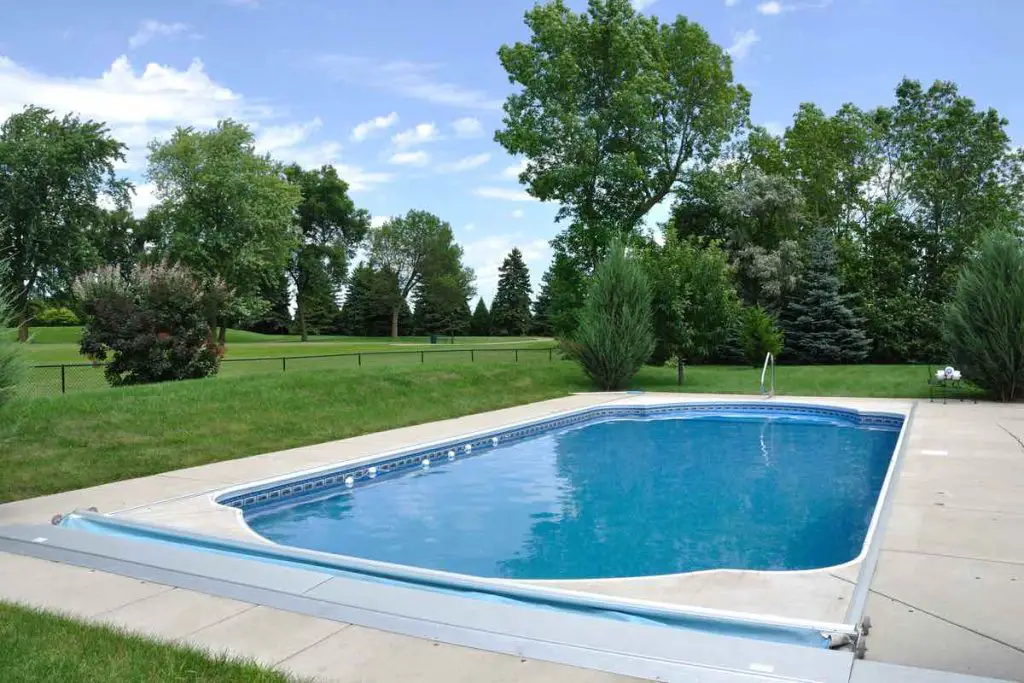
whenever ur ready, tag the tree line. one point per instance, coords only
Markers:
(838, 240)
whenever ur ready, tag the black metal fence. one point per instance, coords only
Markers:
(65, 378)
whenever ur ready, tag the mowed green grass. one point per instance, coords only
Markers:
(67, 442)
(49, 345)
(40, 647)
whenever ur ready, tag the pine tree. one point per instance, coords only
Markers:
(277, 318)
(510, 313)
(367, 308)
(480, 325)
(819, 325)
(556, 311)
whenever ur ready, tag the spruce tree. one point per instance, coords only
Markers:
(480, 325)
(510, 313)
(819, 325)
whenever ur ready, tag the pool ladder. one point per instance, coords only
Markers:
(769, 361)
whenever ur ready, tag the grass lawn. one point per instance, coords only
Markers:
(61, 443)
(37, 646)
(60, 344)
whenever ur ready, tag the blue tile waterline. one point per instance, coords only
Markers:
(609, 492)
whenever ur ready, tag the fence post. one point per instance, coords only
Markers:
(550, 354)
(422, 355)
(63, 380)
(359, 357)
(472, 356)
(517, 355)
(284, 363)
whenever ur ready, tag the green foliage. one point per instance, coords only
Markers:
(510, 312)
(411, 249)
(330, 229)
(277, 318)
(52, 172)
(819, 326)
(56, 316)
(225, 211)
(610, 107)
(984, 322)
(694, 300)
(12, 367)
(560, 301)
(615, 334)
(442, 303)
(480, 324)
(759, 335)
(367, 308)
(153, 325)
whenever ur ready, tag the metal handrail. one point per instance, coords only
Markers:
(768, 360)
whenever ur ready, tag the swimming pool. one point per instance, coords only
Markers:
(603, 493)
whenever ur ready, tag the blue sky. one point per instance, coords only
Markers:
(403, 96)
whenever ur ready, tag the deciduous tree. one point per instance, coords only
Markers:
(52, 173)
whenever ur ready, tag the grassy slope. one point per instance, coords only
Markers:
(56, 444)
(36, 646)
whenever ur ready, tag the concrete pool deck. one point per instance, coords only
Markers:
(947, 593)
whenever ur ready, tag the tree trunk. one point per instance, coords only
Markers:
(222, 334)
(394, 322)
(23, 331)
(301, 315)
(680, 371)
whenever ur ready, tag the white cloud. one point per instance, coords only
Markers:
(467, 127)
(773, 7)
(377, 221)
(742, 42)
(641, 4)
(486, 254)
(470, 227)
(145, 197)
(273, 139)
(517, 214)
(503, 193)
(422, 132)
(465, 163)
(731, 3)
(419, 158)
(410, 79)
(512, 172)
(151, 28)
(367, 128)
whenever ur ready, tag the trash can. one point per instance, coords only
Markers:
(433, 339)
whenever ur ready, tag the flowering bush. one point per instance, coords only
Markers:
(153, 326)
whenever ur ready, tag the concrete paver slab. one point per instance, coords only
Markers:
(68, 589)
(174, 613)
(904, 635)
(264, 634)
(997, 536)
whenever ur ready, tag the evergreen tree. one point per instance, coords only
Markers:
(480, 324)
(557, 309)
(819, 325)
(277, 318)
(510, 313)
(442, 303)
(367, 308)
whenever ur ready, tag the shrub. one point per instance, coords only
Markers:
(615, 334)
(759, 335)
(984, 321)
(56, 317)
(11, 366)
(154, 326)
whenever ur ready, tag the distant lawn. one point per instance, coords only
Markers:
(39, 647)
(61, 443)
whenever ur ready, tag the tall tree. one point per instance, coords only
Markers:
(412, 248)
(330, 228)
(819, 325)
(442, 302)
(52, 172)
(117, 238)
(694, 302)
(563, 289)
(510, 312)
(480, 324)
(277, 318)
(225, 211)
(611, 107)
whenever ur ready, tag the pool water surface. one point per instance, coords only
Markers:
(616, 497)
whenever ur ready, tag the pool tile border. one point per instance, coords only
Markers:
(262, 496)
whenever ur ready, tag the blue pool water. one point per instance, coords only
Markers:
(614, 498)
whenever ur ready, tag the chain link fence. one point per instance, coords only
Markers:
(65, 378)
